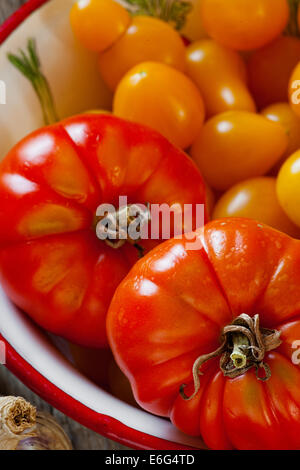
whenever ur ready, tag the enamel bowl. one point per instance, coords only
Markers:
(30, 354)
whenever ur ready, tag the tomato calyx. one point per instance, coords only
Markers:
(243, 346)
(116, 228)
(172, 11)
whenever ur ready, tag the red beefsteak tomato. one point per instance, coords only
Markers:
(52, 265)
(227, 308)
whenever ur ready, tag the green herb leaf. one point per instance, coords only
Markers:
(28, 63)
(172, 11)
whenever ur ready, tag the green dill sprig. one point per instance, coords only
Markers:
(28, 63)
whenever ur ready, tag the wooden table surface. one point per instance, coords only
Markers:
(82, 438)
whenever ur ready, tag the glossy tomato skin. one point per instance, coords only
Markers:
(237, 145)
(284, 115)
(270, 69)
(163, 98)
(146, 39)
(98, 24)
(221, 76)
(256, 199)
(288, 182)
(193, 28)
(245, 25)
(172, 307)
(52, 265)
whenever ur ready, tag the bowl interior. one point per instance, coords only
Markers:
(76, 85)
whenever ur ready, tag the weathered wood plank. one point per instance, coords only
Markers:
(7, 7)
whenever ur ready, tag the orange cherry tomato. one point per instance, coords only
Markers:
(210, 199)
(284, 115)
(146, 39)
(220, 75)
(163, 98)
(294, 90)
(237, 145)
(193, 28)
(247, 24)
(255, 199)
(98, 24)
(270, 70)
(288, 187)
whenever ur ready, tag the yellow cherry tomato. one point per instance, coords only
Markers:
(256, 198)
(244, 24)
(146, 39)
(193, 28)
(284, 115)
(288, 187)
(237, 145)
(294, 90)
(163, 98)
(220, 74)
(98, 24)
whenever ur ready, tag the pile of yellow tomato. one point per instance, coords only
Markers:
(226, 89)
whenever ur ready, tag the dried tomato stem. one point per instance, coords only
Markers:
(243, 346)
(124, 225)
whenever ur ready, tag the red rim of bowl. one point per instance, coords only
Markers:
(102, 424)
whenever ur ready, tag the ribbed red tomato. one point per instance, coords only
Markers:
(52, 265)
(233, 294)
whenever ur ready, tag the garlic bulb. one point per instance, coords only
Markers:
(49, 436)
(22, 428)
(17, 419)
